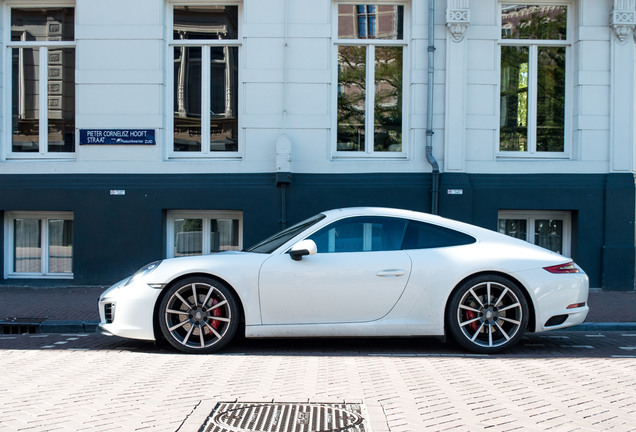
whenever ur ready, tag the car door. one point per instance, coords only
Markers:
(358, 275)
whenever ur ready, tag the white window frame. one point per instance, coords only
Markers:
(207, 216)
(405, 43)
(205, 82)
(531, 216)
(533, 46)
(43, 217)
(43, 46)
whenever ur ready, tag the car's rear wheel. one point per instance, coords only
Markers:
(487, 314)
(198, 315)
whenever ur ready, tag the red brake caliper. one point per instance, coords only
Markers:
(217, 313)
(473, 325)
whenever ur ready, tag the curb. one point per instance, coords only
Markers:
(68, 326)
(603, 326)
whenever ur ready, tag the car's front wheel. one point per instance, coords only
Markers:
(487, 314)
(198, 315)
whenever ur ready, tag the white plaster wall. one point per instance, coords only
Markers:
(121, 83)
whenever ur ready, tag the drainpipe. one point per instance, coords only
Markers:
(429, 109)
(283, 143)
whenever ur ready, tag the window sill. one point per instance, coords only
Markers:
(523, 156)
(369, 156)
(40, 276)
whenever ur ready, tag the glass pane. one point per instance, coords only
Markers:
(224, 99)
(361, 234)
(388, 99)
(545, 22)
(38, 24)
(551, 99)
(205, 22)
(513, 128)
(224, 235)
(24, 102)
(61, 100)
(187, 99)
(60, 246)
(27, 248)
(351, 98)
(188, 237)
(549, 234)
(371, 22)
(516, 228)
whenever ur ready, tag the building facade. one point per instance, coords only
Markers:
(134, 131)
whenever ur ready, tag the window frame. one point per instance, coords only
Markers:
(533, 47)
(204, 153)
(43, 79)
(207, 216)
(44, 218)
(532, 215)
(370, 44)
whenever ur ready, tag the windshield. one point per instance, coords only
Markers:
(277, 240)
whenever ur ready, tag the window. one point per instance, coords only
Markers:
(203, 232)
(550, 229)
(42, 71)
(205, 50)
(39, 245)
(533, 86)
(420, 235)
(370, 92)
(361, 234)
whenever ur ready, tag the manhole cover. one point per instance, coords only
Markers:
(285, 417)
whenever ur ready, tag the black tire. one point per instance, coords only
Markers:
(487, 314)
(198, 315)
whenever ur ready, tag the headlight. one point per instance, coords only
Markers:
(145, 270)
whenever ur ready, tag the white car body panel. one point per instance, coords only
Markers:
(332, 287)
(397, 293)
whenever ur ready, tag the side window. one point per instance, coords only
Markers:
(361, 234)
(420, 235)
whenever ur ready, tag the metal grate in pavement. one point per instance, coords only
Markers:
(285, 417)
(20, 325)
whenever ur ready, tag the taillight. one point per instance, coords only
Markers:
(563, 268)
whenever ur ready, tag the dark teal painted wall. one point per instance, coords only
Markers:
(114, 235)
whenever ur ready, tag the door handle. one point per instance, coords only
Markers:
(390, 273)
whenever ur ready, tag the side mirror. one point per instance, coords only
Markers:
(302, 248)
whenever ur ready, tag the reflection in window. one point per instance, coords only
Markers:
(363, 234)
(369, 114)
(352, 73)
(533, 74)
(543, 22)
(205, 87)
(514, 99)
(370, 22)
(37, 129)
(205, 22)
(551, 99)
(388, 99)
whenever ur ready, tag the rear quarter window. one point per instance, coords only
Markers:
(421, 235)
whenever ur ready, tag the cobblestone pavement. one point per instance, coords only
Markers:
(565, 381)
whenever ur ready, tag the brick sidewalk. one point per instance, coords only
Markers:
(80, 304)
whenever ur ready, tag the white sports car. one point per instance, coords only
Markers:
(354, 272)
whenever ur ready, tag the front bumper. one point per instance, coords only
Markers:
(128, 311)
